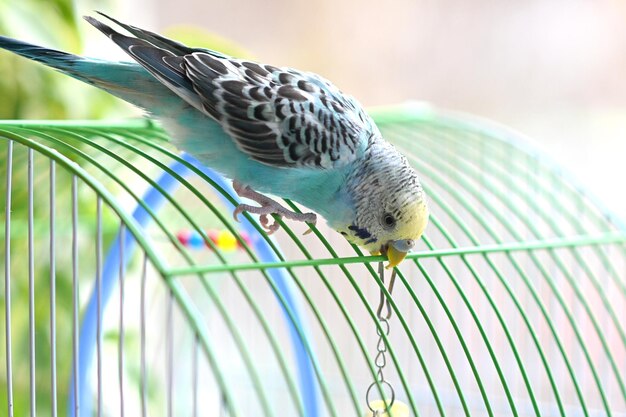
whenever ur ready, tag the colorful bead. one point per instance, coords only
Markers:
(399, 409)
(245, 238)
(226, 241)
(195, 240)
(223, 239)
(183, 237)
(213, 235)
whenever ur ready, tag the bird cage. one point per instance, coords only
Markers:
(130, 290)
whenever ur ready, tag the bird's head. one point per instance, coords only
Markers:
(391, 229)
(390, 206)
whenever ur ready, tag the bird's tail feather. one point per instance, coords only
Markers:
(126, 80)
(61, 61)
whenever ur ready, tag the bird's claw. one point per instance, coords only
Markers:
(270, 228)
(312, 222)
(268, 206)
(264, 220)
(238, 210)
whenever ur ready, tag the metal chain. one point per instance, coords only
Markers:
(380, 361)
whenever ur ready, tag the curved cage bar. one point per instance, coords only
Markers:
(513, 304)
(110, 276)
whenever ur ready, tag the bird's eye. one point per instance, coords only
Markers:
(389, 220)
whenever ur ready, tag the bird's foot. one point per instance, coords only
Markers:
(268, 206)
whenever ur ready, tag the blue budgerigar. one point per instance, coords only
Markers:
(271, 130)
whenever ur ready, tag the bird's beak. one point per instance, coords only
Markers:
(397, 250)
(395, 257)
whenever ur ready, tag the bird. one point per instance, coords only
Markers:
(271, 130)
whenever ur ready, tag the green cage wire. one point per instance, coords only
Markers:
(513, 304)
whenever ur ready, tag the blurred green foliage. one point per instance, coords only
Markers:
(32, 91)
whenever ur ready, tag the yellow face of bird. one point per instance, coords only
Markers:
(391, 232)
(406, 234)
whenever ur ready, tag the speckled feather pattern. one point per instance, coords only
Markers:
(278, 116)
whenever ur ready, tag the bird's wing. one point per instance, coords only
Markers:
(278, 116)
